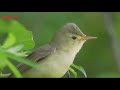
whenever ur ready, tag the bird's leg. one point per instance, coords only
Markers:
(68, 74)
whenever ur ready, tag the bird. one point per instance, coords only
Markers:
(55, 57)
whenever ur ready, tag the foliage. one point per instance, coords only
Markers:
(13, 48)
(80, 68)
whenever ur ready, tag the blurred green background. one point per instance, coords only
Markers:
(100, 57)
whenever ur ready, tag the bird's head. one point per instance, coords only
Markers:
(70, 37)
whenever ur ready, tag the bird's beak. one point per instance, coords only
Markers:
(87, 37)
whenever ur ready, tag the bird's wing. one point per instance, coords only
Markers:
(36, 56)
(41, 53)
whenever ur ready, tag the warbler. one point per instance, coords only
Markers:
(56, 56)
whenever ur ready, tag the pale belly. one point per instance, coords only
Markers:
(53, 66)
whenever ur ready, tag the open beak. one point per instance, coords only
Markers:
(87, 37)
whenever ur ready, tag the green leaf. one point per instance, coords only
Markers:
(5, 62)
(18, 34)
(9, 41)
(23, 36)
(2, 61)
(15, 49)
(4, 75)
(22, 60)
(81, 69)
(13, 69)
(73, 72)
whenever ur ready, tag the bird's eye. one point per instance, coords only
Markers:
(74, 37)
